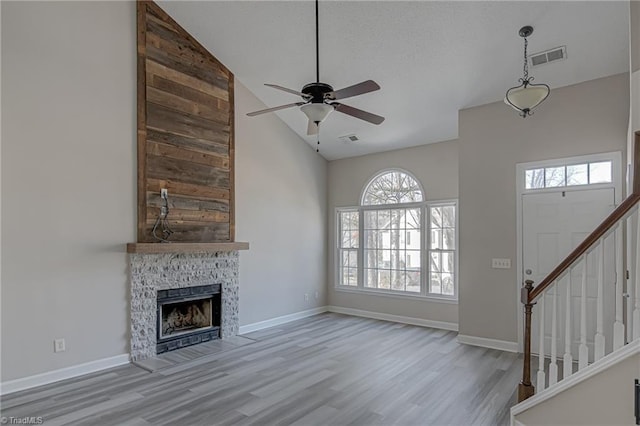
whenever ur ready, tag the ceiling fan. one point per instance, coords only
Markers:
(318, 99)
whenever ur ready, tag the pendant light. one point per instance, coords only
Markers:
(527, 95)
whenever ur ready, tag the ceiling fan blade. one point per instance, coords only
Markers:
(356, 89)
(358, 113)
(264, 111)
(312, 128)
(284, 89)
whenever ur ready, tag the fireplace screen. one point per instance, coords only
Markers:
(185, 317)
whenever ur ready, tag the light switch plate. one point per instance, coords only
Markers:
(501, 263)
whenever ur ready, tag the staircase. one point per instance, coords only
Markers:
(565, 356)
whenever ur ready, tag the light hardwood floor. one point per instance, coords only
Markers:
(329, 369)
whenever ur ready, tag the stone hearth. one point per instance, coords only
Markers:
(152, 272)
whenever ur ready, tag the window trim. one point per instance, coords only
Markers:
(425, 241)
(564, 166)
(616, 171)
(397, 294)
(384, 172)
(338, 245)
(401, 206)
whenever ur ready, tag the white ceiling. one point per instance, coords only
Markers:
(430, 58)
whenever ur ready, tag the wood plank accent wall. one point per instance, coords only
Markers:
(185, 132)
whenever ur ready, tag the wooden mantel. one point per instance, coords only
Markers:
(158, 248)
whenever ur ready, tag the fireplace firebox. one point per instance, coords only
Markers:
(187, 316)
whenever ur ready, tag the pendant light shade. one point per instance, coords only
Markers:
(316, 112)
(527, 95)
(526, 98)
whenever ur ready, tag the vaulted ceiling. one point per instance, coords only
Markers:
(430, 58)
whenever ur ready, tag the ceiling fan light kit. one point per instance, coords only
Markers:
(316, 112)
(525, 97)
(319, 98)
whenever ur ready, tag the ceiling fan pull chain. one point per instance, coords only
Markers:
(318, 145)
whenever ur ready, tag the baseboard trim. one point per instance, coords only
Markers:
(29, 382)
(599, 366)
(450, 326)
(502, 345)
(249, 328)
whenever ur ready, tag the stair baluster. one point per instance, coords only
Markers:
(567, 366)
(541, 375)
(553, 366)
(583, 350)
(618, 325)
(599, 339)
(636, 308)
(630, 278)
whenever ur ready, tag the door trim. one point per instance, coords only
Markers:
(615, 157)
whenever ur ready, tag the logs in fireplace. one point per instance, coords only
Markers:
(187, 316)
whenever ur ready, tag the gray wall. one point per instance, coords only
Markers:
(68, 181)
(436, 167)
(586, 118)
(68, 190)
(281, 200)
(635, 66)
(603, 399)
(634, 34)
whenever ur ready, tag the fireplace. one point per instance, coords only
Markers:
(190, 277)
(187, 316)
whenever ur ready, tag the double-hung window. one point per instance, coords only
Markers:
(442, 248)
(391, 262)
(348, 242)
(396, 242)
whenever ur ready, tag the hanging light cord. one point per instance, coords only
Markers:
(162, 222)
(525, 69)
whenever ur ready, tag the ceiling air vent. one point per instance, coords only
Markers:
(552, 55)
(348, 138)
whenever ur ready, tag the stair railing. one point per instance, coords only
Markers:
(558, 282)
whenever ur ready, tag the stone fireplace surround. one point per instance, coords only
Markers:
(150, 272)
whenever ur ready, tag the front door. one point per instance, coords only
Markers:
(553, 224)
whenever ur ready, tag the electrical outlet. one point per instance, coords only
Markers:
(501, 263)
(164, 193)
(306, 297)
(59, 345)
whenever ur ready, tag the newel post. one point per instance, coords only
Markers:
(525, 388)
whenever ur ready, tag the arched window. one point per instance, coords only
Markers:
(392, 187)
(396, 242)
